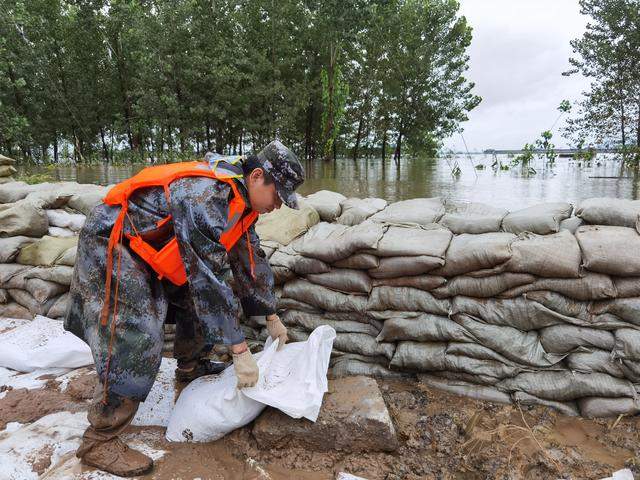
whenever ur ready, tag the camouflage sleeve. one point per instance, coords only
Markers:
(256, 296)
(199, 211)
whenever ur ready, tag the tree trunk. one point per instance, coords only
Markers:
(384, 147)
(398, 151)
(105, 149)
(55, 147)
(357, 145)
(208, 129)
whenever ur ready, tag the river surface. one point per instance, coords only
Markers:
(566, 180)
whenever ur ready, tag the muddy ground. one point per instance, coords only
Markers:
(441, 436)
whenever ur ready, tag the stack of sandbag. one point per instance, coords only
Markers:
(537, 305)
(39, 227)
(7, 169)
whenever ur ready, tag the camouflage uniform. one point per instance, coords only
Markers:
(206, 310)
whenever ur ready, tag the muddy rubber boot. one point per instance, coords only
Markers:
(202, 368)
(116, 457)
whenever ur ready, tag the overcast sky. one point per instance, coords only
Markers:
(518, 52)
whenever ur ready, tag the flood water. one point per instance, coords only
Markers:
(566, 180)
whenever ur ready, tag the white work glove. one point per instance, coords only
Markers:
(277, 330)
(246, 369)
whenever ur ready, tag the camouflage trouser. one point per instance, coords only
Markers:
(144, 304)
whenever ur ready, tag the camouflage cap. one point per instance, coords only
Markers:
(287, 172)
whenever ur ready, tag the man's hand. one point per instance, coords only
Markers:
(245, 365)
(277, 330)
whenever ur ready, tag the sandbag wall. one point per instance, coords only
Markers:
(39, 226)
(540, 305)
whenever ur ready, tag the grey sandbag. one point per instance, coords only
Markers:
(406, 299)
(358, 261)
(84, 202)
(59, 307)
(68, 257)
(10, 247)
(46, 251)
(284, 224)
(323, 298)
(309, 321)
(345, 367)
(4, 296)
(404, 241)
(423, 328)
(61, 274)
(542, 219)
(343, 280)
(420, 211)
(609, 211)
(28, 301)
(483, 287)
(480, 352)
(566, 338)
(357, 210)
(15, 310)
(281, 274)
(627, 344)
(566, 408)
(555, 255)
(327, 204)
(458, 387)
(422, 282)
(595, 360)
(472, 217)
(363, 344)
(522, 347)
(628, 309)
(592, 286)
(467, 377)
(289, 258)
(566, 386)
(514, 312)
(10, 271)
(472, 253)
(627, 286)
(394, 267)
(331, 242)
(6, 160)
(16, 191)
(292, 304)
(603, 407)
(23, 218)
(571, 224)
(570, 311)
(612, 250)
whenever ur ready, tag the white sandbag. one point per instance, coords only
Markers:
(542, 219)
(46, 251)
(394, 267)
(566, 338)
(571, 224)
(458, 387)
(422, 282)
(405, 299)
(609, 211)
(42, 343)
(472, 217)
(60, 232)
(358, 261)
(15, 191)
(331, 242)
(475, 253)
(357, 210)
(323, 298)
(343, 280)
(522, 347)
(602, 407)
(285, 224)
(64, 219)
(403, 241)
(566, 386)
(591, 286)
(327, 204)
(420, 211)
(483, 287)
(627, 344)
(423, 328)
(555, 255)
(23, 218)
(612, 250)
(293, 380)
(10, 247)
